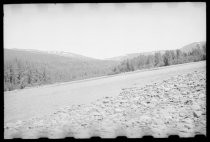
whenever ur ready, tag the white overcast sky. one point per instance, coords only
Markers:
(104, 30)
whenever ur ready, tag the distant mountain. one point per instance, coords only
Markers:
(59, 53)
(188, 48)
(133, 55)
(52, 56)
(23, 68)
(32, 67)
(72, 55)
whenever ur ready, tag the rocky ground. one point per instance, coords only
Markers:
(176, 106)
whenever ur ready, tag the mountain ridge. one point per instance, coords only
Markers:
(187, 48)
(25, 68)
(60, 53)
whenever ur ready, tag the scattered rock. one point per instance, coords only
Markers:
(176, 105)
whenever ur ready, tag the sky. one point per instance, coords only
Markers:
(104, 30)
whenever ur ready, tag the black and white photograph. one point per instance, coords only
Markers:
(104, 70)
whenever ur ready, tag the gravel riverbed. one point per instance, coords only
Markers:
(176, 106)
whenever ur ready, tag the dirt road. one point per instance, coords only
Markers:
(27, 103)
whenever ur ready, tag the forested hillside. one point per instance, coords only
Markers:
(30, 68)
(188, 48)
(190, 53)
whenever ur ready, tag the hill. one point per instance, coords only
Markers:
(24, 68)
(188, 48)
(189, 53)
(134, 55)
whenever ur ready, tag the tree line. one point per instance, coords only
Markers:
(170, 57)
(23, 69)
